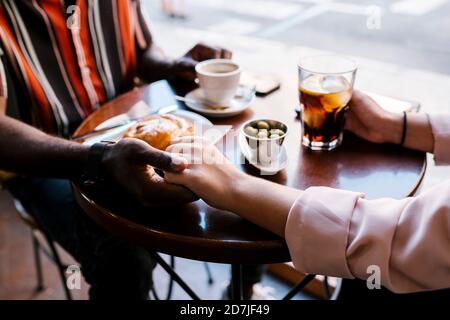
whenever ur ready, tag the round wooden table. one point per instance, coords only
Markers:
(200, 232)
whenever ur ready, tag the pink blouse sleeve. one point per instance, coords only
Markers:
(440, 124)
(339, 233)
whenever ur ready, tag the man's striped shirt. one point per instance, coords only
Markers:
(62, 59)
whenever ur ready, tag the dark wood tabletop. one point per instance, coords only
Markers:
(198, 231)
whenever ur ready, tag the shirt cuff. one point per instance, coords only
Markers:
(317, 230)
(440, 125)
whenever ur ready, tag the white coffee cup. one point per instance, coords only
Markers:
(219, 79)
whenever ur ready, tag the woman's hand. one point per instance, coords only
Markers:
(369, 121)
(216, 180)
(210, 175)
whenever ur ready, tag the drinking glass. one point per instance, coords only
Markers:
(325, 90)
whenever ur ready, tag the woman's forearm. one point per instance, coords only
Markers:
(339, 233)
(264, 203)
(419, 135)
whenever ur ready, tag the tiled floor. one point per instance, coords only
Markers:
(17, 272)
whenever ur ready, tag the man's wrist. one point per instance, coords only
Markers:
(94, 168)
(169, 66)
(75, 157)
(154, 66)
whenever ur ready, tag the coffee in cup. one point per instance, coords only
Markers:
(219, 79)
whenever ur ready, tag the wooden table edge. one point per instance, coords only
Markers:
(275, 246)
(275, 251)
(418, 184)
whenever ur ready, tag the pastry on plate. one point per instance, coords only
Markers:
(159, 130)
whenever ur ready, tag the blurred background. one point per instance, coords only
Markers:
(402, 48)
(407, 33)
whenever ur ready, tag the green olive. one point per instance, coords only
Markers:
(263, 125)
(262, 135)
(251, 131)
(277, 132)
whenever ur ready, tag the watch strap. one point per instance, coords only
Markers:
(93, 173)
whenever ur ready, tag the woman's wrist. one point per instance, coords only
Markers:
(262, 202)
(240, 186)
(392, 127)
(418, 132)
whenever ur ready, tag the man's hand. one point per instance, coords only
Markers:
(369, 121)
(185, 66)
(201, 52)
(130, 163)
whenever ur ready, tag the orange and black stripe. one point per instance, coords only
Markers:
(69, 56)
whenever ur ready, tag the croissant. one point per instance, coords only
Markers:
(159, 130)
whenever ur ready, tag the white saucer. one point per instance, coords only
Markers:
(242, 100)
(117, 133)
(272, 168)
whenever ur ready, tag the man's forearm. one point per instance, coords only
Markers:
(26, 150)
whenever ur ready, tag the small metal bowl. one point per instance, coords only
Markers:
(265, 150)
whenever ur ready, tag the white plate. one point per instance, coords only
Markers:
(238, 104)
(116, 134)
(272, 168)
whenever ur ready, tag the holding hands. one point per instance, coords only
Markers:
(209, 174)
(131, 163)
